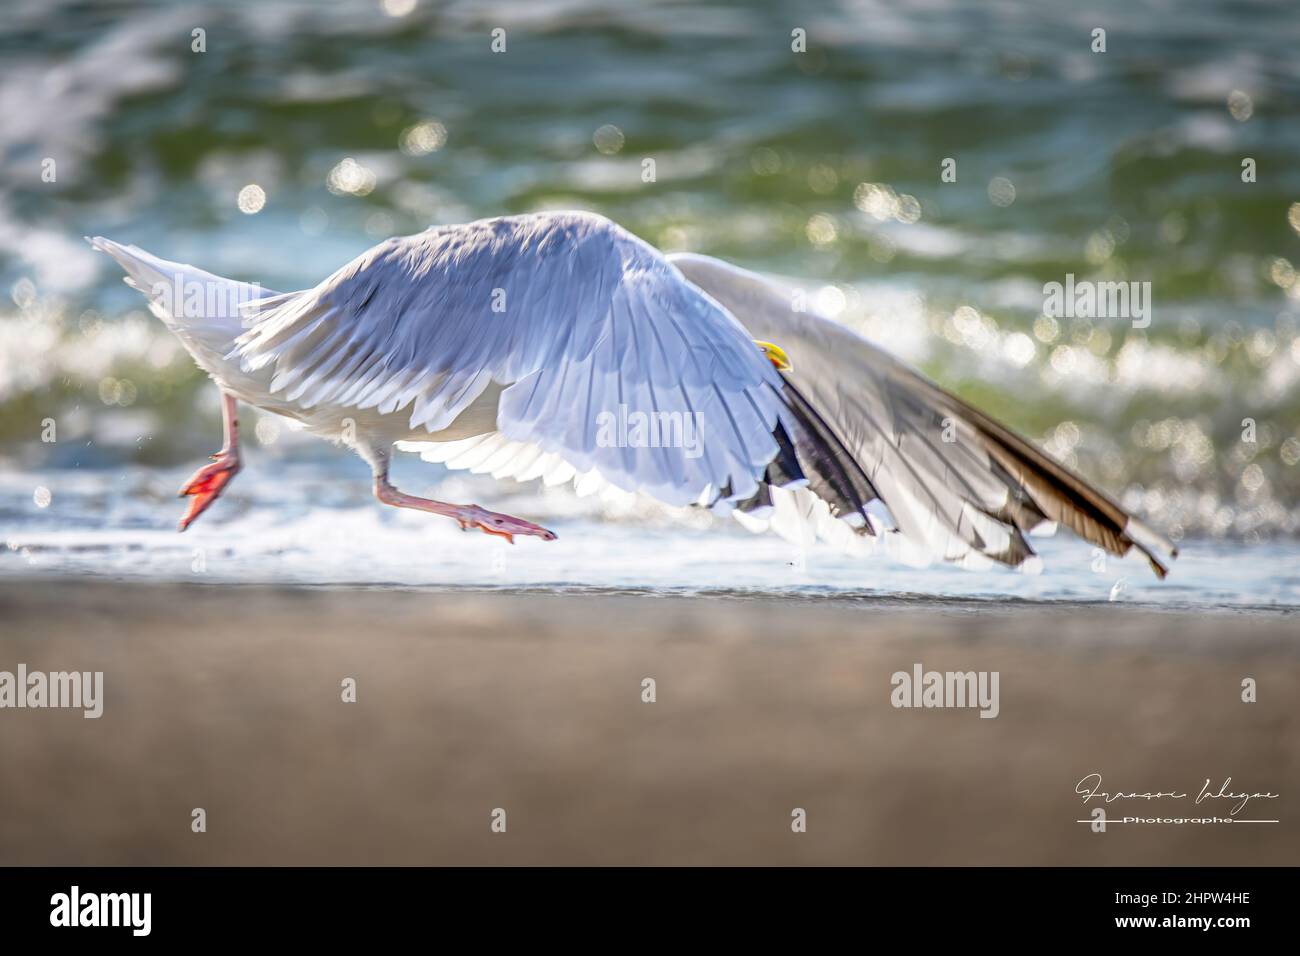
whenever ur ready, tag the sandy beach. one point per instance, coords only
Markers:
(228, 698)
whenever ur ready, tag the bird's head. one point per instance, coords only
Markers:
(775, 354)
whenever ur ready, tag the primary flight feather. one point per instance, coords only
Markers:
(560, 346)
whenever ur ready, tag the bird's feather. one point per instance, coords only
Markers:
(579, 323)
(582, 321)
(953, 479)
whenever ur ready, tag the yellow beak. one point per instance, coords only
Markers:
(775, 354)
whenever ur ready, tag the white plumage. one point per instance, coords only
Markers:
(507, 346)
(570, 315)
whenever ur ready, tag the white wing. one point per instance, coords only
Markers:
(960, 485)
(586, 325)
(496, 455)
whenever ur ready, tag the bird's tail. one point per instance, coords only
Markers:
(205, 311)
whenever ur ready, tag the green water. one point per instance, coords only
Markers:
(823, 166)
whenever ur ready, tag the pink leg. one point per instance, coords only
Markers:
(469, 516)
(206, 485)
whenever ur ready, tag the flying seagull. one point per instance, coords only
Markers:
(560, 346)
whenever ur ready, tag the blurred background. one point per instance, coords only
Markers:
(305, 132)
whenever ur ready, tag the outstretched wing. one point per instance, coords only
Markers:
(614, 363)
(953, 479)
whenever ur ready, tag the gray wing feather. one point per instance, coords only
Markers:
(968, 500)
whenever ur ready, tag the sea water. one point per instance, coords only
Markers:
(302, 133)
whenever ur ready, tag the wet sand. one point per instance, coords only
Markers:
(228, 698)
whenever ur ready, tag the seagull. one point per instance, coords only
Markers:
(560, 346)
